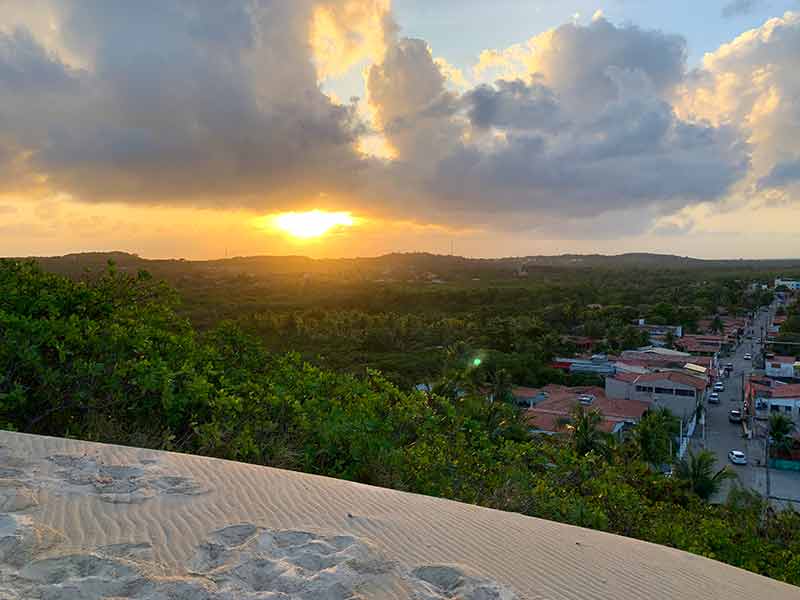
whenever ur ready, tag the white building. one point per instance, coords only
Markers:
(782, 367)
(676, 391)
(792, 284)
(782, 399)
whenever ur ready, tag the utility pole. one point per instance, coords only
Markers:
(766, 465)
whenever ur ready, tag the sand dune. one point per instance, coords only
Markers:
(83, 520)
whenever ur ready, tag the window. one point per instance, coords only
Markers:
(787, 409)
(644, 388)
(685, 393)
(666, 391)
(775, 365)
(774, 408)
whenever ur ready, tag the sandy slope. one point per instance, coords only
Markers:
(82, 520)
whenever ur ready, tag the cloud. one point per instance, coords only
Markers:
(222, 107)
(753, 83)
(782, 174)
(586, 130)
(737, 8)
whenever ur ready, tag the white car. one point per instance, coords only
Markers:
(737, 457)
(719, 387)
(748, 356)
(713, 398)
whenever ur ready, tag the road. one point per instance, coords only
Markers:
(723, 436)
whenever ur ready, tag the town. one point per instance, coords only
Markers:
(734, 386)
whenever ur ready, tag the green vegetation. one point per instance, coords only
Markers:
(781, 428)
(698, 471)
(108, 358)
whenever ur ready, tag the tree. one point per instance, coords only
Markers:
(669, 339)
(697, 471)
(781, 428)
(586, 435)
(655, 435)
(716, 324)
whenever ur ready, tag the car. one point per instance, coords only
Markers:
(748, 356)
(735, 416)
(713, 398)
(737, 457)
(729, 366)
(719, 387)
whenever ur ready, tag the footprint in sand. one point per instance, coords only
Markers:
(121, 484)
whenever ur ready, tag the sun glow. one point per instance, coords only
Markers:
(311, 224)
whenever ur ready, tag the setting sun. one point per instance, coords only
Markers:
(311, 224)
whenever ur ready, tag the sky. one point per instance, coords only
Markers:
(200, 129)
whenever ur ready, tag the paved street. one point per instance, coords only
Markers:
(721, 436)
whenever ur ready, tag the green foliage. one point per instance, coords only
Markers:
(108, 358)
(697, 470)
(655, 437)
(781, 428)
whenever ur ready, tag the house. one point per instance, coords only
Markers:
(702, 344)
(526, 396)
(659, 334)
(792, 284)
(782, 367)
(775, 397)
(581, 342)
(598, 364)
(678, 391)
(551, 414)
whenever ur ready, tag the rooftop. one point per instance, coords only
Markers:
(790, 360)
(561, 400)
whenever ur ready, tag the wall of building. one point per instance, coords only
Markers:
(778, 369)
(616, 388)
(681, 402)
(657, 393)
(785, 406)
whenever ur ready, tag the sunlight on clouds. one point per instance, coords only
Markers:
(452, 74)
(376, 145)
(345, 34)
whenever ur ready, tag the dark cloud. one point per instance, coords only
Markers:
(513, 151)
(26, 68)
(513, 105)
(781, 175)
(206, 103)
(738, 8)
(218, 104)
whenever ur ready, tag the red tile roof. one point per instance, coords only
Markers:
(782, 359)
(791, 390)
(561, 400)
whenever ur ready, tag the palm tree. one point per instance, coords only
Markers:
(500, 384)
(586, 435)
(698, 473)
(780, 430)
(655, 435)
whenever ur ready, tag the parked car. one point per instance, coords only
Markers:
(719, 387)
(748, 356)
(737, 457)
(713, 398)
(735, 416)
